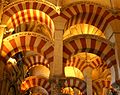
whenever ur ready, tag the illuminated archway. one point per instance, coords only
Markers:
(80, 29)
(73, 72)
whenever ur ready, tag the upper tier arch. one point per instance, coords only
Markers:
(30, 15)
(88, 13)
(17, 6)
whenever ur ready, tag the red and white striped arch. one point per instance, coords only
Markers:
(34, 60)
(82, 65)
(75, 82)
(76, 62)
(17, 6)
(34, 81)
(27, 41)
(87, 13)
(97, 62)
(90, 44)
(34, 26)
(98, 85)
(29, 15)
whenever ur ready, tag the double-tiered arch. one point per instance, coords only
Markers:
(90, 44)
(88, 13)
(23, 12)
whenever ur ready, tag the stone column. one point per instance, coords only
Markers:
(5, 82)
(88, 79)
(105, 90)
(114, 4)
(117, 50)
(2, 30)
(56, 68)
(116, 38)
(1, 9)
(89, 83)
(2, 27)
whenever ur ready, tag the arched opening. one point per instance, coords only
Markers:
(39, 70)
(71, 91)
(25, 17)
(80, 29)
(73, 72)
